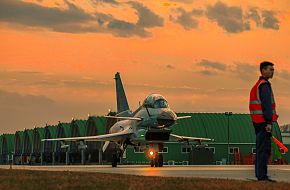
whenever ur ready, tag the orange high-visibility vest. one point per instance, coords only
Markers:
(256, 105)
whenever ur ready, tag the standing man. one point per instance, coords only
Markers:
(263, 113)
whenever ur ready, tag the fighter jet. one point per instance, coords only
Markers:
(146, 128)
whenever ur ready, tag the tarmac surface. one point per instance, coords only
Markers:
(240, 172)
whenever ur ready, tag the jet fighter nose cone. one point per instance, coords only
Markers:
(166, 118)
(166, 115)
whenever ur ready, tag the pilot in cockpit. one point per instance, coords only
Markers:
(155, 101)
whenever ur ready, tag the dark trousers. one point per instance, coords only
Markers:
(263, 150)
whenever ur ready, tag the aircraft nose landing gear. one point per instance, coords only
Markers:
(156, 159)
(117, 155)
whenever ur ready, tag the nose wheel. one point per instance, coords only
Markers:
(157, 161)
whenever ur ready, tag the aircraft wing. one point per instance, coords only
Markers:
(185, 138)
(173, 137)
(107, 137)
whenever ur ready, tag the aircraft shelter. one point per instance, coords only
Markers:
(233, 134)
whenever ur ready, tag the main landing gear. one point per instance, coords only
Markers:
(115, 160)
(117, 155)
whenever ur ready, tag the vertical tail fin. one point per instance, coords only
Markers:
(122, 103)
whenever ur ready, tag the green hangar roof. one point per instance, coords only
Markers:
(28, 140)
(8, 143)
(63, 130)
(96, 125)
(1, 137)
(38, 134)
(50, 133)
(19, 140)
(216, 125)
(78, 128)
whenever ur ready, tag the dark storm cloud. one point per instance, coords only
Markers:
(183, 1)
(208, 72)
(212, 65)
(234, 20)
(269, 20)
(70, 20)
(265, 19)
(186, 18)
(109, 1)
(126, 29)
(242, 71)
(31, 14)
(147, 18)
(230, 18)
(76, 20)
(210, 68)
(254, 15)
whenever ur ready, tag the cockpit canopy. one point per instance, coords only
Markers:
(155, 101)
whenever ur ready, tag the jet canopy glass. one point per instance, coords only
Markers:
(155, 101)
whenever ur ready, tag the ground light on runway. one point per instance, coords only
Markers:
(150, 171)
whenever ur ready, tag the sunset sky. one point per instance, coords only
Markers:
(58, 57)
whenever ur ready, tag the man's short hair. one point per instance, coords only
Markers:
(264, 65)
